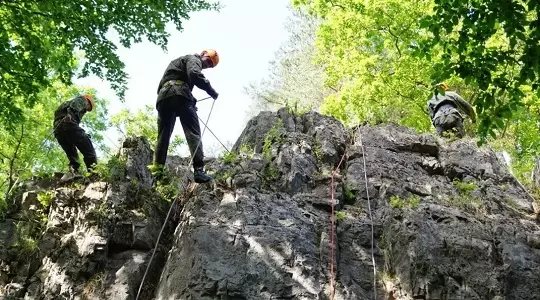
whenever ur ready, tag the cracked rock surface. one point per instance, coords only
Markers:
(416, 217)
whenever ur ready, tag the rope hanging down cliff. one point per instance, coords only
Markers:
(173, 204)
(332, 217)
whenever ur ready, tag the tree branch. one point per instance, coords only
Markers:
(14, 73)
(396, 39)
(12, 161)
(405, 96)
(39, 13)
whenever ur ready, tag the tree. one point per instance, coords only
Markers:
(142, 123)
(31, 148)
(386, 63)
(294, 79)
(38, 39)
(492, 45)
(365, 48)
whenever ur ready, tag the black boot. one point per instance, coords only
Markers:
(200, 176)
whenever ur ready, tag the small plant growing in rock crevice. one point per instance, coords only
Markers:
(465, 188)
(272, 136)
(45, 198)
(222, 176)
(413, 201)
(340, 215)
(246, 151)
(95, 286)
(229, 158)
(29, 234)
(270, 173)
(99, 214)
(317, 150)
(464, 200)
(112, 170)
(295, 108)
(169, 190)
(349, 195)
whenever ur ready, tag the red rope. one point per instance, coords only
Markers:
(332, 231)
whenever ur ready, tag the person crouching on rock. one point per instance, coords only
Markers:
(444, 111)
(71, 136)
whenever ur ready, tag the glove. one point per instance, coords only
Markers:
(214, 95)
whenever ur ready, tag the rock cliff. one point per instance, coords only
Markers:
(415, 217)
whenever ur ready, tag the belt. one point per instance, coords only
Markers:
(173, 82)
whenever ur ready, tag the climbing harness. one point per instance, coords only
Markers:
(173, 204)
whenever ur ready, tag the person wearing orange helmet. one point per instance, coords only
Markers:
(71, 136)
(175, 99)
(446, 111)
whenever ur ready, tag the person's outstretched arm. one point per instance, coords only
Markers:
(194, 70)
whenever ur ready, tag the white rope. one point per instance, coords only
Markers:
(172, 205)
(371, 218)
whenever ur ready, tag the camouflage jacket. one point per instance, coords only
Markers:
(188, 69)
(75, 107)
(452, 98)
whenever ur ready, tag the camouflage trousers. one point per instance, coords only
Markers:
(448, 120)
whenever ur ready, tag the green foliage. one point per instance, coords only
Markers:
(45, 198)
(142, 123)
(413, 201)
(111, 169)
(38, 40)
(167, 186)
(30, 148)
(272, 136)
(366, 51)
(169, 190)
(29, 232)
(100, 214)
(465, 188)
(493, 46)
(349, 196)
(464, 199)
(340, 215)
(270, 172)
(229, 158)
(384, 64)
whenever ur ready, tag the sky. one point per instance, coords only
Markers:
(245, 33)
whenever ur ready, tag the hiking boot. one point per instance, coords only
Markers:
(70, 175)
(200, 176)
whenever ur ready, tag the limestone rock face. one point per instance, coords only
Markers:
(415, 217)
(440, 220)
(95, 239)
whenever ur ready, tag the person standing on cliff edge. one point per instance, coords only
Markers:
(175, 99)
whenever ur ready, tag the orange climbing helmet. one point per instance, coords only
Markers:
(443, 85)
(90, 100)
(212, 54)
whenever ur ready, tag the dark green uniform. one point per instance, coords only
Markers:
(445, 112)
(175, 99)
(71, 136)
